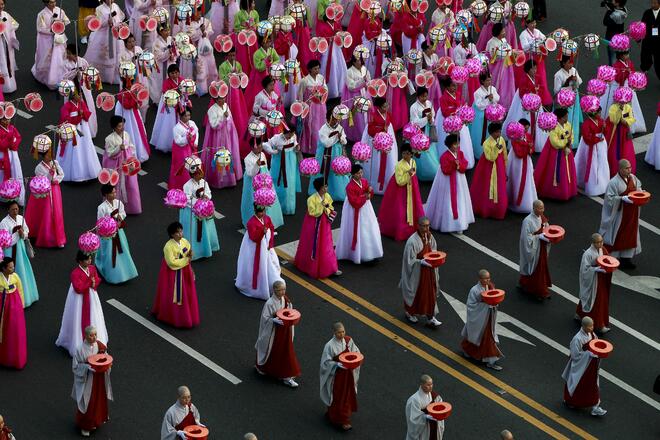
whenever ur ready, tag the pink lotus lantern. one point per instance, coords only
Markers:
(566, 98)
(473, 65)
(310, 166)
(5, 239)
(383, 141)
(620, 43)
(531, 102)
(420, 142)
(547, 121)
(623, 95)
(106, 227)
(361, 152)
(410, 130)
(203, 209)
(466, 113)
(596, 87)
(515, 130)
(341, 165)
(637, 30)
(265, 197)
(589, 104)
(495, 113)
(606, 73)
(262, 180)
(89, 243)
(176, 198)
(10, 189)
(40, 186)
(452, 124)
(459, 74)
(637, 81)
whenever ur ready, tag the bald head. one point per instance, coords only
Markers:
(183, 390)
(425, 378)
(249, 436)
(506, 435)
(538, 207)
(624, 163)
(625, 169)
(596, 237)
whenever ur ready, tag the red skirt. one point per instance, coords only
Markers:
(586, 393)
(626, 236)
(424, 303)
(184, 315)
(45, 218)
(482, 205)
(486, 349)
(600, 312)
(178, 174)
(344, 400)
(555, 174)
(316, 252)
(392, 216)
(538, 282)
(282, 362)
(97, 409)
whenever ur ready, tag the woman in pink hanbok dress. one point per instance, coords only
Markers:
(221, 14)
(221, 133)
(430, 62)
(507, 24)
(502, 74)
(49, 56)
(312, 124)
(140, 8)
(356, 85)
(245, 19)
(333, 64)
(130, 52)
(166, 116)
(263, 58)
(10, 163)
(128, 108)
(236, 101)
(13, 344)
(73, 69)
(103, 47)
(184, 144)
(119, 148)
(444, 17)
(203, 68)
(396, 96)
(165, 55)
(302, 34)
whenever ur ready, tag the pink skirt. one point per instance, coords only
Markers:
(173, 283)
(555, 174)
(397, 99)
(240, 116)
(354, 132)
(316, 253)
(392, 216)
(45, 218)
(13, 348)
(482, 205)
(178, 174)
(244, 54)
(504, 82)
(311, 126)
(128, 191)
(225, 135)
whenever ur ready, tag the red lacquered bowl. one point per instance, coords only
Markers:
(100, 362)
(289, 316)
(439, 410)
(196, 432)
(435, 258)
(493, 296)
(351, 360)
(554, 233)
(600, 347)
(640, 197)
(608, 262)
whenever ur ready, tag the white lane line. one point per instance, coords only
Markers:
(561, 292)
(216, 214)
(176, 342)
(642, 223)
(292, 247)
(23, 114)
(100, 151)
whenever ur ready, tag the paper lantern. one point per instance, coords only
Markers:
(375, 8)
(93, 23)
(496, 12)
(559, 35)
(108, 176)
(464, 16)
(466, 113)
(424, 78)
(57, 27)
(591, 41)
(420, 142)
(606, 73)
(262, 180)
(361, 52)
(277, 71)
(309, 166)
(410, 130)
(341, 165)
(445, 64)
(176, 198)
(623, 95)
(569, 47)
(383, 141)
(10, 189)
(121, 31)
(105, 101)
(521, 9)
(89, 243)
(188, 52)
(161, 14)
(171, 98)
(181, 39)
(274, 118)
(376, 87)
(547, 121)
(596, 87)
(127, 69)
(297, 108)
(503, 51)
(473, 66)
(531, 102)
(384, 41)
(218, 89)
(5, 239)
(66, 87)
(292, 66)
(40, 186)
(264, 28)
(361, 152)
(397, 65)
(265, 197)
(341, 112)
(515, 130)
(459, 74)
(222, 159)
(361, 104)
(495, 113)
(131, 166)
(438, 34)
(478, 8)
(452, 124)
(565, 97)
(589, 104)
(183, 12)
(343, 39)
(66, 132)
(319, 94)
(187, 87)
(42, 143)
(287, 23)
(256, 128)
(106, 227)
(146, 61)
(203, 209)
(33, 102)
(297, 11)
(620, 43)
(637, 81)
(485, 61)
(637, 30)
(91, 78)
(7, 110)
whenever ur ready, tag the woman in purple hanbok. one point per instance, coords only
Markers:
(49, 56)
(356, 85)
(220, 134)
(119, 149)
(502, 74)
(103, 48)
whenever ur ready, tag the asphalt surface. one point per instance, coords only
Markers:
(525, 397)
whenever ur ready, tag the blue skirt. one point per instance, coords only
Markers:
(336, 183)
(575, 118)
(247, 205)
(476, 131)
(23, 269)
(209, 242)
(286, 196)
(428, 161)
(124, 269)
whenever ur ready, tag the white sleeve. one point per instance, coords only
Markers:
(559, 82)
(416, 116)
(207, 191)
(180, 137)
(214, 116)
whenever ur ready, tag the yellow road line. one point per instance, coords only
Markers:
(434, 344)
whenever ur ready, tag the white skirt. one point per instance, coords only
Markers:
(371, 167)
(438, 205)
(162, 134)
(70, 336)
(464, 138)
(269, 269)
(653, 153)
(599, 173)
(514, 172)
(80, 162)
(369, 245)
(516, 113)
(131, 127)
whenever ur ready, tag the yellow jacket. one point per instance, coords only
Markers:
(561, 135)
(176, 254)
(12, 285)
(618, 113)
(315, 206)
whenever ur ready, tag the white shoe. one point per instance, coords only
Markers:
(338, 273)
(604, 330)
(259, 371)
(434, 322)
(290, 382)
(412, 318)
(598, 411)
(83, 40)
(494, 366)
(84, 433)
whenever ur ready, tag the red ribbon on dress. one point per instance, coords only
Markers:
(523, 180)
(5, 163)
(453, 192)
(381, 171)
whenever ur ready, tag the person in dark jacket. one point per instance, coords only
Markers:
(614, 19)
(651, 44)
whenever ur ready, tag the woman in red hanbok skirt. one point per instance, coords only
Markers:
(184, 144)
(301, 35)
(619, 139)
(236, 101)
(245, 19)
(488, 187)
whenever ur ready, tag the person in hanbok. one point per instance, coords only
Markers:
(620, 145)
(450, 102)
(236, 100)
(72, 69)
(287, 50)
(501, 73)
(284, 150)
(302, 31)
(359, 233)
(443, 16)
(532, 42)
(357, 77)
(103, 47)
(333, 65)
(165, 55)
(15, 224)
(555, 174)
(422, 115)
(568, 77)
(308, 91)
(488, 187)
(396, 96)
(44, 215)
(78, 156)
(520, 185)
(430, 62)
(582, 389)
(256, 163)
(176, 295)
(119, 149)
(413, 26)
(166, 116)
(266, 101)
(184, 144)
(8, 48)
(624, 67)
(534, 248)
(276, 356)
(593, 171)
(82, 307)
(338, 384)
(379, 168)
(595, 285)
(203, 68)
(143, 7)
(464, 50)
(315, 255)
(221, 133)
(49, 54)
(372, 27)
(652, 156)
(10, 163)
(484, 96)
(246, 18)
(13, 343)
(222, 14)
(480, 340)
(332, 144)
(128, 109)
(353, 19)
(263, 58)
(113, 260)
(449, 207)
(506, 23)
(402, 205)
(258, 266)
(91, 389)
(420, 424)
(201, 233)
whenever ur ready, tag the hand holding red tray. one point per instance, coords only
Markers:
(289, 316)
(439, 410)
(435, 258)
(351, 360)
(608, 262)
(600, 347)
(640, 197)
(554, 233)
(493, 296)
(196, 432)
(100, 362)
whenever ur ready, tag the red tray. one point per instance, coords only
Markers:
(351, 360)
(435, 258)
(196, 432)
(289, 316)
(600, 347)
(493, 296)
(439, 410)
(640, 197)
(608, 262)
(554, 233)
(100, 362)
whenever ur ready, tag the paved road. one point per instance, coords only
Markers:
(525, 397)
